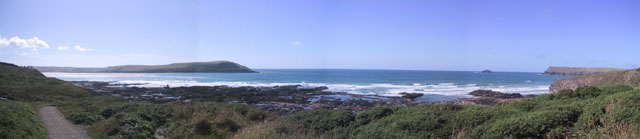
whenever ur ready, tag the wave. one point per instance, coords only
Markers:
(447, 89)
(383, 89)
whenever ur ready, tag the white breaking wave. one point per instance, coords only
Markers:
(448, 89)
(367, 89)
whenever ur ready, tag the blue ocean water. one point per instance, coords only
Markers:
(436, 85)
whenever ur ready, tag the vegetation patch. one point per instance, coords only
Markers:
(19, 120)
(27, 84)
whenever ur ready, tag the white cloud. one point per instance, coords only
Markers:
(16, 42)
(297, 43)
(63, 48)
(81, 49)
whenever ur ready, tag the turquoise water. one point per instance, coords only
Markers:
(434, 84)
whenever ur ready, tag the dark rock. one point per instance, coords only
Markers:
(487, 71)
(411, 95)
(494, 94)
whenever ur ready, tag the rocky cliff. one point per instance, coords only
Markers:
(577, 71)
(624, 77)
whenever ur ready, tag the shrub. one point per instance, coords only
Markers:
(374, 114)
(239, 107)
(588, 91)
(83, 117)
(565, 94)
(534, 124)
(615, 89)
(322, 120)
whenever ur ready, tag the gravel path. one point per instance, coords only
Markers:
(58, 127)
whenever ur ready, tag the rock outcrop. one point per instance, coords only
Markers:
(494, 94)
(487, 71)
(577, 71)
(411, 96)
(625, 77)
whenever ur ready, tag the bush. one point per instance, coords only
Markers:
(83, 117)
(588, 91)
(322, 120)
(534, 124)
(374, 114)
(565, 94)
(616, 89)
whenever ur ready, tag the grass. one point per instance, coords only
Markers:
(26, 84)
(111, 116)
(19, 120)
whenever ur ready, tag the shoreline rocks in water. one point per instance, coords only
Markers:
(279, 99)
(490, 97)
(487, 71)
(411, 96)
(494, 94)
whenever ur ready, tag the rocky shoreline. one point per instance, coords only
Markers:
(279, 99)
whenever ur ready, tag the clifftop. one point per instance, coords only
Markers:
(213, 66)
(624, 77)
(577, 71)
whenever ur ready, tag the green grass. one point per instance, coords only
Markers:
(19, 120)
(25, 84)
(110, 117)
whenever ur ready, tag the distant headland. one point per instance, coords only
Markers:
(189, 67)
(622, 77)
(577, 70)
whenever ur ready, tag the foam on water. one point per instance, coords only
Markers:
(354, 83)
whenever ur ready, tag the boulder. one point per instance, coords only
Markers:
(411, 95)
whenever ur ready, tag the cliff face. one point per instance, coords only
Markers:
(203, 67)
(625, 77)
(577, 71)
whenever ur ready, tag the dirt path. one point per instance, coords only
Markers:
(58, 127)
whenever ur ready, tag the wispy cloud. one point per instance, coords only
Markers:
(79, 48)
(63, 48)
(16, 42)
(297, 43)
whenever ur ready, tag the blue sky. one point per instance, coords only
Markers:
(419, 35)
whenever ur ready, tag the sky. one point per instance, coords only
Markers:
(324, 34)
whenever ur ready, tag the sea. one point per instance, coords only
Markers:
(435, 85)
